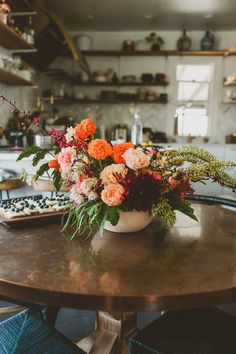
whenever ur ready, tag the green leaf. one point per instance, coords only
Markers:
(57, 181)
(39, 156)
(184, 207)
(28, 152)
(112, 215)
(93, 211)
(43, 168)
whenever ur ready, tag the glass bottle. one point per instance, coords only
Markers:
(137, 130)
(30, 31)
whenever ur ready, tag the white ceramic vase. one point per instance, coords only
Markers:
(130, 221)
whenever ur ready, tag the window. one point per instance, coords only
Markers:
(192, 99)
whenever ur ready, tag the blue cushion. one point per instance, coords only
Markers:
(195, 331)
(26, 333)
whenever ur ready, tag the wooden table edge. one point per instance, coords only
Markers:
(118, 303)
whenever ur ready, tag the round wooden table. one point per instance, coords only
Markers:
(189, 265)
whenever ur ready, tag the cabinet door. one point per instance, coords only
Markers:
(212, 189)
(230, 154)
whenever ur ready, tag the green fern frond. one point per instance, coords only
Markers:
(164, 211)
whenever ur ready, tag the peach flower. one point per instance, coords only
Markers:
(66, 157)
(113, 173)
(112, 194)
(135, 159)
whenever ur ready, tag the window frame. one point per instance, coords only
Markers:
(208, 104)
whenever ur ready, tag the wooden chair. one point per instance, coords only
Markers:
(10, 184)
(27, 332)
(194, 331)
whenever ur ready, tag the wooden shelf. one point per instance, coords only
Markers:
(230, 84)
(119, 84)
(119, 53)
(228, 101)
(87, 101)
(10, 39)
(6, 77)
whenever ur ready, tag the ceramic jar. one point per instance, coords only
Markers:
(184, 42)
(83, 42)
(207, 41)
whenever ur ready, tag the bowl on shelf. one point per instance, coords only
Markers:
(147, 78)
(100, 76)
(159, 77)
(129, 78)
(151, 95)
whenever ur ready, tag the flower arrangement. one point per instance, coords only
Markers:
(104, 179)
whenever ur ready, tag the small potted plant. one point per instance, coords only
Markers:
(155, 40)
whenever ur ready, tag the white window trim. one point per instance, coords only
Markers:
(214, 95)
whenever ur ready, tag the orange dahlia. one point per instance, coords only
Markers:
(99, 149)
(119, 150)
(85, 129)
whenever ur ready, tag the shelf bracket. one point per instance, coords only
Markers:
(70, 41)
(77, 56)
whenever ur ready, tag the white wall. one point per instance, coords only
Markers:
(114, 40)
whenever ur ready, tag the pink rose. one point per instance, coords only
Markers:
(112, 194)
(135, 159)
(86, 185)
(75, 196)
(36, 120)
(113, 173)
(66, 157)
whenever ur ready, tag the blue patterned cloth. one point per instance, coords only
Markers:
(26, 333)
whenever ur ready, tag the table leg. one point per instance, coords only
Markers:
(111, 335)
